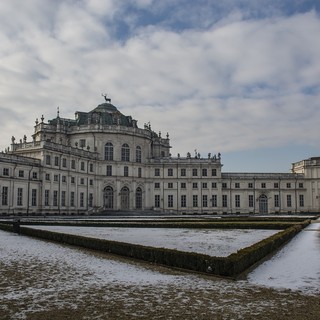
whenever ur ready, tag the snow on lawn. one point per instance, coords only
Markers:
(296, 266)
(213, 242)
(36, 275)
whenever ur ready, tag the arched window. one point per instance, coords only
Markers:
(108, 151)
(263, 204)
(124, 198)
(138, 154)
(138, 198)
(125, 152)
(108, 198)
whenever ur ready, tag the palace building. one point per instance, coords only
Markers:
(102, 162)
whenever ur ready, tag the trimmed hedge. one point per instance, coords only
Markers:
(275, 225)
(6, 226)
(230, 266)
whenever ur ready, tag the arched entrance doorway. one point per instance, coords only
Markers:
(108, 198)
(138, 198)
(124, 198)
(263, 204)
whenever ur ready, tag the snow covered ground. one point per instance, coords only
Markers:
(296, 266)
(214, 242)
(44, 280)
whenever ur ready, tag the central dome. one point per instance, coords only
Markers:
(105, 107)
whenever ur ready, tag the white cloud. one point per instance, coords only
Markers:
(239, 85)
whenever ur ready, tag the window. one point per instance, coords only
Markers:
(204, 172)
(289, 201)
(237, 200)
(157, 185)
(195, 185)
(276, 185)
(157, 201)
(33, 197)
(64, 162)
(56, 161)
(194, 172)
(72, 199)
(48, 176)
(300, 185)
(251, 202)
(125, 152)
(34, 175)
(139, 172)
(81, 180)
(81, 199)
(91, 182)
(55, 198)
(5, 191)
(21, 173)
(48, 160)
(91, 167)
(90, 200)
(64, 179)
(237, 185)
(109, 171)
(46, 197)
(224, 200)
(276, 200)
(19, 196)
(5, 171)
(108, 151)
(250, 185)
(73, 164)
(72, 180)
(126, 171)
(224, 185)
(301, 200)
(183, 185)
(263, 185)
(170, 201)
(63, 198)
(204, 185)
(170, 185)
(138, 154)
(195, 200)
(183, 172)
(205, 201)
(213, 172)
(214, 185)
(183, 201)
(288, 185)
(138, 198)
(82, 143)
(214, 200)
(82, 166)
(55, 178)
(170, 172)
(157, 172)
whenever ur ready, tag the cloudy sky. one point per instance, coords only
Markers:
(239, 77)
